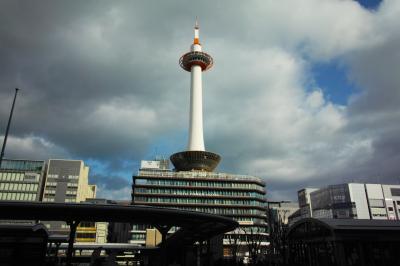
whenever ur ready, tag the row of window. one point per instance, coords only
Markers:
(175, 191)
(190, 183)
(55, 176)
(49, 198)
(19, 177)
(70, 200)
(224, 211)
(197, 174)
(50, 192)
(45, 199)
(86, 235)
(72, 185)
(138, 236)
(22, 165)
(18, 196)
(200, 200)
(19, 187)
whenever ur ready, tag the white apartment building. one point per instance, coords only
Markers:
(350, 201)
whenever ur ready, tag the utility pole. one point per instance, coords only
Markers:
(8, 127)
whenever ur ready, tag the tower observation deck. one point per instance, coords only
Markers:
(196, 158)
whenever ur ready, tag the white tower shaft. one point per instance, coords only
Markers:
(196, 139)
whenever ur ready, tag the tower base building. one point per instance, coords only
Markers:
(240, 197)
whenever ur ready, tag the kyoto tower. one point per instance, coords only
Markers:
(195, 158)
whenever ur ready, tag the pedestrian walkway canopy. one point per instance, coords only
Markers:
(193, 226)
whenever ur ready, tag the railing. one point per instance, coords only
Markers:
(199, 174)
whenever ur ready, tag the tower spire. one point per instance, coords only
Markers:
(196, 32)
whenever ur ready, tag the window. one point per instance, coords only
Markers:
(395, 192)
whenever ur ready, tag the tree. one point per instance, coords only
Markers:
(254, 238)
(234, 238)
(277, 234)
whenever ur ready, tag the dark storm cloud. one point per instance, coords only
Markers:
(69, 60)
(101, 80)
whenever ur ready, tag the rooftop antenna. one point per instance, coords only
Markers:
(8, 127)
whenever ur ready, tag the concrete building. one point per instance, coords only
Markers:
(67, 181)
(22, 180)
(304, 200)
(352, 201)
(241, 197)
(279, 211)
(92, 232)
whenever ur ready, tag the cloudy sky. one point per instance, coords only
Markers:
(303, 93)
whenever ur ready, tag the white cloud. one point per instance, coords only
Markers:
(115, 194)
(33, 147)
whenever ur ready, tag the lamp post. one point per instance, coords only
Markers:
(8, 127)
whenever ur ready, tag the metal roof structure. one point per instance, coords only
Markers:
(352, 224)
(361, 224)
(343, 242)
(208, 224)
(344, 229)
(193, 226)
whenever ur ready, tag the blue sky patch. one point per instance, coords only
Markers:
(370, 4)
(332, 79)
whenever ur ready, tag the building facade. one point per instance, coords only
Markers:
(92, 232)
(67, 181)
(22, 180)
(238, 196)
(352, 201)
(279, 211)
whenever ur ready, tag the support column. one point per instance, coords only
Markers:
(164, 231)
(72, 226)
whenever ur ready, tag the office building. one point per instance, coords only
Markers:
(22, 180)
(303, 197)
(241, 197)
(279, 211)
(67, 181)
(92, 232)
(352, 201)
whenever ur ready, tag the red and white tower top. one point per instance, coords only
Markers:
(196, 56)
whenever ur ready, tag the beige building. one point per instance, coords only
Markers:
(68, 182)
